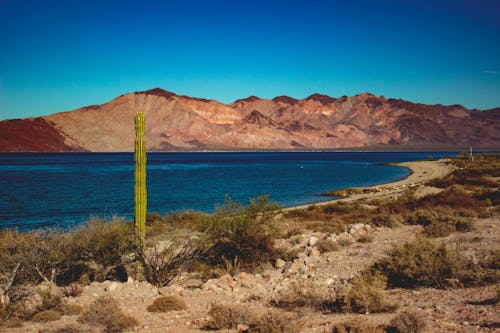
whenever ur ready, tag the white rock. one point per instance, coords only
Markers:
(313, 240)
(280, 263)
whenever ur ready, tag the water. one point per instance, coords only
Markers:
(63, 190)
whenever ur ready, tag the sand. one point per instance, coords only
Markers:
(421, 173)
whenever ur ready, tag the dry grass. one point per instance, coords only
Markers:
(367, 295)
(300, 295)
(408, 321)
(166, 304)
(227, 316)
(106, 314)
(274, 322)
(45, 316)
(357, 326)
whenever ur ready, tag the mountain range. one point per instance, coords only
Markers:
(177, 122)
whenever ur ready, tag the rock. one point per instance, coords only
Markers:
(314, 252)
(130, 280)
(313, 240)
(280, 263)
(111, 286)
(242, 277)
(295, 267)
(355, 228)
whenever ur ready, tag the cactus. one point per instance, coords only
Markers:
(140, 179)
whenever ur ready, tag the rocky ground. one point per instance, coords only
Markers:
(454, 310)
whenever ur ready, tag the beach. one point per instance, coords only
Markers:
(421, 173)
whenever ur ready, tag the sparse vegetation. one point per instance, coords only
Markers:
(106, 314)
(241, 236)
(357, 326)
(227, 316)
(408, 321)
(367, 295)
(166, 304)
(274, 322)
(45, 316)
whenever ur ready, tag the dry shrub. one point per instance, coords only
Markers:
(357, 326)
(74, 289)
(344, 241)
(70, 309)
(68, 329)
(421, 262)
(408, 321)
(331, 226)
(438, 225)
(327, 245)
(367, 295)
(366, 238)
(164, 266)
(274, 322)
(12, 323)
(439, 229)
(300, 295)
(98, 246)
(227, 316)
(166, 304)
(106, 313)
(45, 316)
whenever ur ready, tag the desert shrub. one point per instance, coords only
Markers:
(106, 313)
(453, 197)
(70, 309)
(331, 226)
(344, 241)
(242, 235)
(327, 245)
(99, 246)
(74, 289)
(227, 316)
(163, 266)
(366, 238)
(274, 322)
(166, 304)
(38, 254)
(68, 329)
(357, 326)
(464, 225)
(45, 316)
(12, 323)
(439, 229)
(421, 262)
(407, 322)
(366, 295)
(299, 295)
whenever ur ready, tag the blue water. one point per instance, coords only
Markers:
(63, 190)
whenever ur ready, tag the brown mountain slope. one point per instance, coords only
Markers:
(319, 121)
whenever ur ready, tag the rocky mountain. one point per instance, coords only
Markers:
(176, 122)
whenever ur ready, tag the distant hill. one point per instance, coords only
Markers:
(176, 122)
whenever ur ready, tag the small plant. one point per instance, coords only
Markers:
(274, 322)
(70, 309)
(74, 289)
(421, 262)
(367, 295)
(106, 313)
(163, 266)
(327, 245)
(407, 322)
(166, 304)
(243, 235)
(299, 295)
(366, 238)
(227, 316)
(45, 316)
(357, 326)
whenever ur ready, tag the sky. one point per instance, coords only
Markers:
(60, 55)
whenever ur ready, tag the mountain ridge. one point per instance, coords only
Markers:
(179, 122)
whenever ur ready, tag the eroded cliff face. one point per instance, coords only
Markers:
(318, 121)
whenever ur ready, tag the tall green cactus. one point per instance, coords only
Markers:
(140, 179)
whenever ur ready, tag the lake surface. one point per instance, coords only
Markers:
(63, 190)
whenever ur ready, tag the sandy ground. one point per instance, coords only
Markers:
(421, 173)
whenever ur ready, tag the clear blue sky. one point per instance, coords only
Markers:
(60, 55)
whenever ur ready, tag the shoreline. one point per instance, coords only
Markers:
(420, 172)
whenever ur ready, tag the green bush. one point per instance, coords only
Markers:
(242, 236)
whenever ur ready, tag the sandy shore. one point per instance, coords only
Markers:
(421, 172)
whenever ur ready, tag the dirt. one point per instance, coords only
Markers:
(454, 310)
